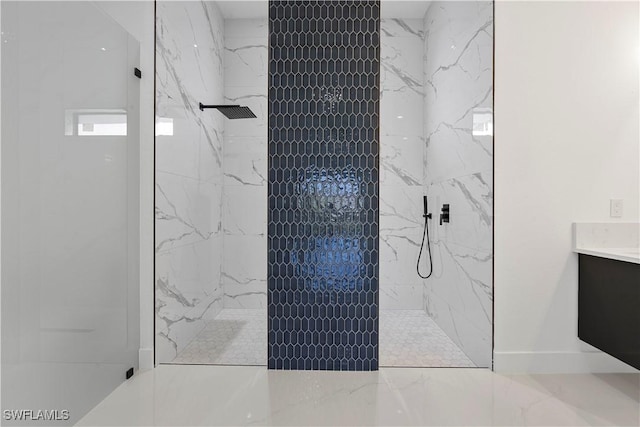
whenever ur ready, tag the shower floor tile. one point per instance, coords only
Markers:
(234, 337)
(239, 337)
(411, 338)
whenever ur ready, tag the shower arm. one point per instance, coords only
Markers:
(202, 106)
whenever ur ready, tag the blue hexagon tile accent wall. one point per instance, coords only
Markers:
(323, 189)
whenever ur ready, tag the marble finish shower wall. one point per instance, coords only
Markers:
(459, 158)
(401, 162)
(189, 176)
(244, 271)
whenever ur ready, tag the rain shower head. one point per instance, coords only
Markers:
(232, 111)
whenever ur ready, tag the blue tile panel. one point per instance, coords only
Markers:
(324, 74)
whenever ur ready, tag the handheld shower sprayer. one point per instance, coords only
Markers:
(425, 203)
(427, 216)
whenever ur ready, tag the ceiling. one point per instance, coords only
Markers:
(243, 9)
(248, 9)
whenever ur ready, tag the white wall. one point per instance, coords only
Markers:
(566, 141)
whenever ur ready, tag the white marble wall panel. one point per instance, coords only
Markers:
(401, 43)
(471, 338)
(458, 76)
(245, 165)
(471, 220)
(401, 112)
(188, 71)
(459, 277)
(188, 293)
(454, 151)
(245, 271)
(245, 210)
(400, 235)
(245, 162)
(402, 297)
(245, 59)
(189, 173)
(190, 266)
(401, 163)
(187, 210)
(254, 97)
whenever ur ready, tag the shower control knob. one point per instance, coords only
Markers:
(444, 214)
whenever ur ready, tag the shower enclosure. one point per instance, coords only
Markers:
(269, 229)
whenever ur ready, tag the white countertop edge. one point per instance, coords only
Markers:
(611, 253)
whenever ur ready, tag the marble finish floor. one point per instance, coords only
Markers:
(407, 338)
(226, 395)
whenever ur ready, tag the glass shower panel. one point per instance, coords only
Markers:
(70, 114)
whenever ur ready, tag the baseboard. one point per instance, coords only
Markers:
(145, 359)
(558, 362)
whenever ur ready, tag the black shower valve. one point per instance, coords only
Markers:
(444, 214)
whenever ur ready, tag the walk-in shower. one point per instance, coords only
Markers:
(290, 240)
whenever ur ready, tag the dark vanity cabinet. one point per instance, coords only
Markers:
(609, 307)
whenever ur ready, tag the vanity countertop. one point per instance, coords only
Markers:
(620, 254)
(618, 240)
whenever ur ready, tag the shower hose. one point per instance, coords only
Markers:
(425, 233)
